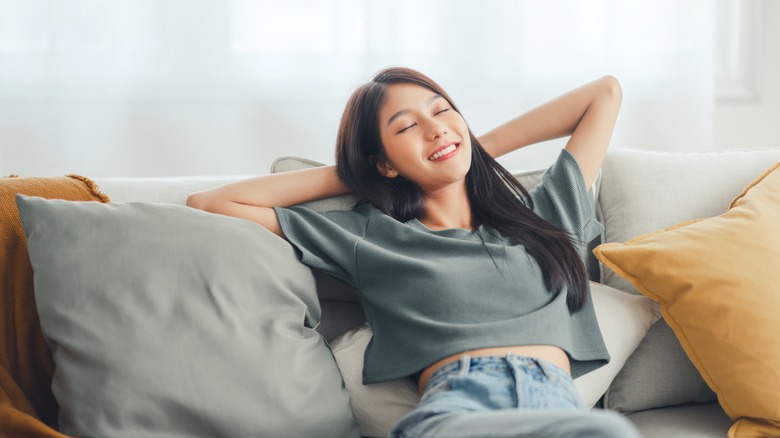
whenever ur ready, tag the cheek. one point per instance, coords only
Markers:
(460, 122)
(391, 144)
(395, 152)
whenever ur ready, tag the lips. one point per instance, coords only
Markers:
(443, 151)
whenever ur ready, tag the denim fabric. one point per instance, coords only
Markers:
(511, 396)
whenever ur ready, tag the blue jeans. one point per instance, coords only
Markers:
(512, 396)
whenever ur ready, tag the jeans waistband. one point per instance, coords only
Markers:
(467, 364)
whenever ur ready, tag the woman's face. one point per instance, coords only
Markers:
(425, 140)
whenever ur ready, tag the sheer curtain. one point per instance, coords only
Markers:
(182, 87)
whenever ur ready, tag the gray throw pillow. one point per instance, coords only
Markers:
(287, 164)
(680, 385)
(169, 321)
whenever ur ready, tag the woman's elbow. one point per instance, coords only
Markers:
(198, 200)
(612, 87)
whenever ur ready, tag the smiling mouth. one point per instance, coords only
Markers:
(443, 152)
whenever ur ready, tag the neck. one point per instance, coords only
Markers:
(447, 209)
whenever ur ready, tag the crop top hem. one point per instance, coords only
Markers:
(582, 362)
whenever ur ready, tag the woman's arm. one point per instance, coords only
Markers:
(253, 198)
(587, 114)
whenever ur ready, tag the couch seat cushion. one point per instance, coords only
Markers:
(692, 421)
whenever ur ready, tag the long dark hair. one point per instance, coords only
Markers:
(497, 199)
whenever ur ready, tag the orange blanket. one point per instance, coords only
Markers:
(27, 405)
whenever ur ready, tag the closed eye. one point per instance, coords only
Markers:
(413, 124)
(404, 130)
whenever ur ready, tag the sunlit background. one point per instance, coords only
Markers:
(133, 88)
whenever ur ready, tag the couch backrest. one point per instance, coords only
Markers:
(169, 190)
(645, 191)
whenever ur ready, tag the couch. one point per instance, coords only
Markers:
(658, 386)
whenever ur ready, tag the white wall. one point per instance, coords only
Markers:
(754, 121)
(126, 129)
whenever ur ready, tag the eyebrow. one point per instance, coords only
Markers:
(404, 111)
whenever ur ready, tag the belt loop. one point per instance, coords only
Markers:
(465, 365)
(542, 367)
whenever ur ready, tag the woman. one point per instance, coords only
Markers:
(473, 286)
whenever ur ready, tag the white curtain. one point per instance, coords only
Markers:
(204, 87)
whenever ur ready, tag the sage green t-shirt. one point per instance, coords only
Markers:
(431, 294)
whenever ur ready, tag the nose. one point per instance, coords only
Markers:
(435, 129)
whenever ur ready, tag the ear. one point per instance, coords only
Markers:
(383, 168)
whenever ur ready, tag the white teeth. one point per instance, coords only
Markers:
(442, 152)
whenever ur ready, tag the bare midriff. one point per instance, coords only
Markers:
(550, 353)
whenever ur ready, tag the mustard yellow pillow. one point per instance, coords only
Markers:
(717, 282)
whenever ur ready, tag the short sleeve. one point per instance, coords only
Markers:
(562, 199)
(326, 240)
